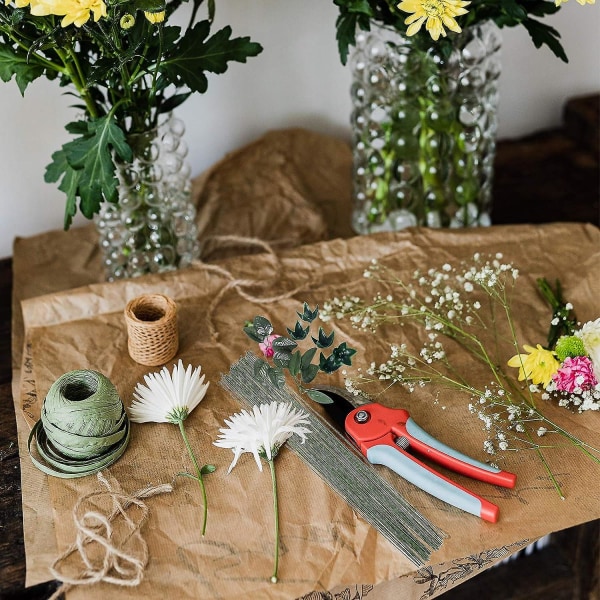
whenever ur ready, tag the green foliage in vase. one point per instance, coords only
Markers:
(126, 65)
(357, 14)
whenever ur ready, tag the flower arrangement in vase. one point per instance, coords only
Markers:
(129, 68)
(425, 98)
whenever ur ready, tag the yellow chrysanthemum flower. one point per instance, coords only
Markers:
(538, 366)
(582, 2)
(155, 17)
(435, 14)
(76, 12)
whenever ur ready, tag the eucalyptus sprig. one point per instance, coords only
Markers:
(287, 356)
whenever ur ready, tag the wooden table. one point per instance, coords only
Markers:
(549, 176)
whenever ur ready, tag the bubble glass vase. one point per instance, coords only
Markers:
(152, 226)
(424, 129)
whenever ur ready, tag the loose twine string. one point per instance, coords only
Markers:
(118, 565)
(238, 283)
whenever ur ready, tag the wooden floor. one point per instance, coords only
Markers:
(551, 176)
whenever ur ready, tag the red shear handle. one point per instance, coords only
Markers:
(448, 457)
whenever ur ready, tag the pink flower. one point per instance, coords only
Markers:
(266, 346)
(575, 375)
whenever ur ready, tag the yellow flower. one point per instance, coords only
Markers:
(538, 366)
(76, 12)
(582, 2)
(155, 17)
(434, 13)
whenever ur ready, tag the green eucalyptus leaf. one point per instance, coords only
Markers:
(295, 363)
(307, 357)
(309, 372)
(319, 397)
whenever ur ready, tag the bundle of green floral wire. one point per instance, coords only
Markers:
(464, 305)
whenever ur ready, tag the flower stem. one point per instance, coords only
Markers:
(198, 471)
(276, 512)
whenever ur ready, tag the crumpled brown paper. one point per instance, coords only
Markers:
(325, 545)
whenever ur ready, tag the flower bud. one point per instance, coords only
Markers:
(155, 17)
(127, 21)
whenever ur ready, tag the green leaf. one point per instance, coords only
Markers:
(277, 377)
(319, 397)
(206, 469)
(283, 343)
(299, 333)
(344, 353)
(92, 155)
(184, 474)
(329, 364)
(281, 358)
(324, 340)
(309, 373)
(307, 357)
(196, 53)
(251, 333)
(260, 368)
(544, 34)
(15, 64)
(295, 363)
(262, 327)
(307, 314)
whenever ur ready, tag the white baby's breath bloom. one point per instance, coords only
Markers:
(263, 431)
(168, 397)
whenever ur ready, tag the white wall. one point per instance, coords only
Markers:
(296, 81)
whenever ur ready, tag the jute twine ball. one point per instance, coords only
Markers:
(83, 426)
(153, 336)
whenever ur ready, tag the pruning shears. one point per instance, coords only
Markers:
(387, 436)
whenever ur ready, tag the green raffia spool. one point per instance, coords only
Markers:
(83, 426)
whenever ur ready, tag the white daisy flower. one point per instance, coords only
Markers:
(166, 397)
(170, 398)
(263, 431)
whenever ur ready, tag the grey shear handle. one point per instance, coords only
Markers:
(431, 482)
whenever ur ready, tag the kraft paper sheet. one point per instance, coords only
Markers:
(72, 320)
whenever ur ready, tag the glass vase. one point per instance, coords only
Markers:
(424, 129)
(152, 226)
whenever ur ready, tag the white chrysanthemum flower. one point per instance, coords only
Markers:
(263, 431)
(168, 397)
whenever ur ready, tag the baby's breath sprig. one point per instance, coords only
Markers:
(461, 305)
